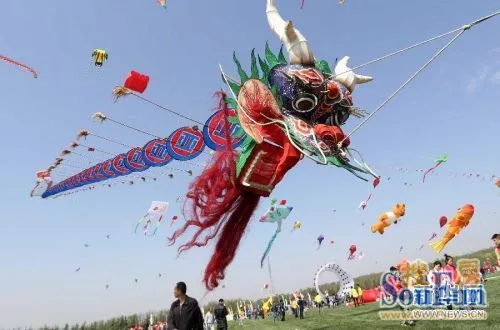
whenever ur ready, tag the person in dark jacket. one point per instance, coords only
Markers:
(220, 313)
(302, 305)
(185, 314)
(282, 310)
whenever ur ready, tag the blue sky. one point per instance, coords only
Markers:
(452, 107)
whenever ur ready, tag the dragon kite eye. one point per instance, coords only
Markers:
(305, 102)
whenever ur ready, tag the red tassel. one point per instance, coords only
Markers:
(213, 202)
(229, 240)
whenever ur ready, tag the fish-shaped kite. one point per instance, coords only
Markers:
(455, 226)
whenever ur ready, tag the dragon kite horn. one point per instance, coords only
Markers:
(296, 44)
(347, 77)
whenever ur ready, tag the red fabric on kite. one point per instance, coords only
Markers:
(442, 221)
(137, 82)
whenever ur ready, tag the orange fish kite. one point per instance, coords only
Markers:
(459, 222)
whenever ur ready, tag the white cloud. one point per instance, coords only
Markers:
(478, 80)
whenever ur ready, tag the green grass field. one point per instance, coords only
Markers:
(367, 317)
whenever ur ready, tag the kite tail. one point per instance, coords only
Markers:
(269, 245)
(137, 226)
(302, 4)
(35, 75)
(154, 232)
(230, 237)
(430, 170)
(439, 245)
(213, 203)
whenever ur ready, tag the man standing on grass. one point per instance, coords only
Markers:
(185, 313)
(220, 313)
(302, 304)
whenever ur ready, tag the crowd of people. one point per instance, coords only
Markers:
(186, 314)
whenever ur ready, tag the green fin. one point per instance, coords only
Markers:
(281, 57)
(254, 67)
(234, 87)
(265, 70)
(231, 103)
(272, 60)
(323, 66)
(241, 72)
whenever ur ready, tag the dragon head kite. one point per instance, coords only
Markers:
(287, 110)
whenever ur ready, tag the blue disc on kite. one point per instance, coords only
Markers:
(133, 160)
(155, 153)
(214, 131)
(106, 169)
(117, 165)
(185, 144)
(96, 170)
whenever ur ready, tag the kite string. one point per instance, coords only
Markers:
(167, 109)
(396, 92)
(86, 156)
(270, 274)
(110, 140)
(132, 128)
(96, 149)
(462, 28)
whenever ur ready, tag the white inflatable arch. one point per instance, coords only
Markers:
(345, 279)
